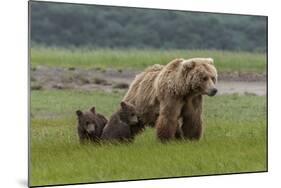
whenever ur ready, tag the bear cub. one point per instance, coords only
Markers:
(123, 125)
(90, 125)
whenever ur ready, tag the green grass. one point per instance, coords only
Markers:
(140, 59)
(234, 141)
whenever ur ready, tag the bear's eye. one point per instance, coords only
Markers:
(205, 78)
(213, 78)
(87, 122)
(132, 114)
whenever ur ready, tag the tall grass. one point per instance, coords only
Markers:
(234, 141)
(140, 59)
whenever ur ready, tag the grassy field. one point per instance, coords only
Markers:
(234, 140)
(140, 59)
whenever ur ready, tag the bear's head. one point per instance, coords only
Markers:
(200, 75)
(128, 113)
(87, 120)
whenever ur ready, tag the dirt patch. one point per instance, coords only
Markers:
(242, 76)
(111, 80)
(242, 88)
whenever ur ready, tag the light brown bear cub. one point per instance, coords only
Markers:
(90, 125)
(123, 125)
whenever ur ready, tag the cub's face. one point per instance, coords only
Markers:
(86, 120)
(128, 113)
(203, 77)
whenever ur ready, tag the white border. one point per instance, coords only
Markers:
(13, 134)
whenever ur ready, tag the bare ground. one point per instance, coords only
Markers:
(111, 80)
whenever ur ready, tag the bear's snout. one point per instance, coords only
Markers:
(91, 128)
(213, 92)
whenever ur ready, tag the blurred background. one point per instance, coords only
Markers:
(67, 25)
(95, 47)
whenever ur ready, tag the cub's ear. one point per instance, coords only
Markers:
(210, 60)
(79, 113)
(93, 110)
(123, 105)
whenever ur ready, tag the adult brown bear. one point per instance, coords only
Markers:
(166, 95)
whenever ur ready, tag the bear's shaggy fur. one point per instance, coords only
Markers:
(123, 125)
(90, 125)
(170, 96)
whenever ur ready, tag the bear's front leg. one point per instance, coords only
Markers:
(192, 127)
(167, 121)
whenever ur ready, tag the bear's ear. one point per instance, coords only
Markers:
(210, 60)
(93, 110)
(123, 105)
(79, 113)
(188, 65)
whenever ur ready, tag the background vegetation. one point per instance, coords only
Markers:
(140, 59)
(66, 25)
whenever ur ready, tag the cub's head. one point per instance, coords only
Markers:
(201, 75)
(87, 120)
(127, 113)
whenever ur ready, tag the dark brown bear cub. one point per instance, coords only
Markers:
(123, 125)
(90, 125)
